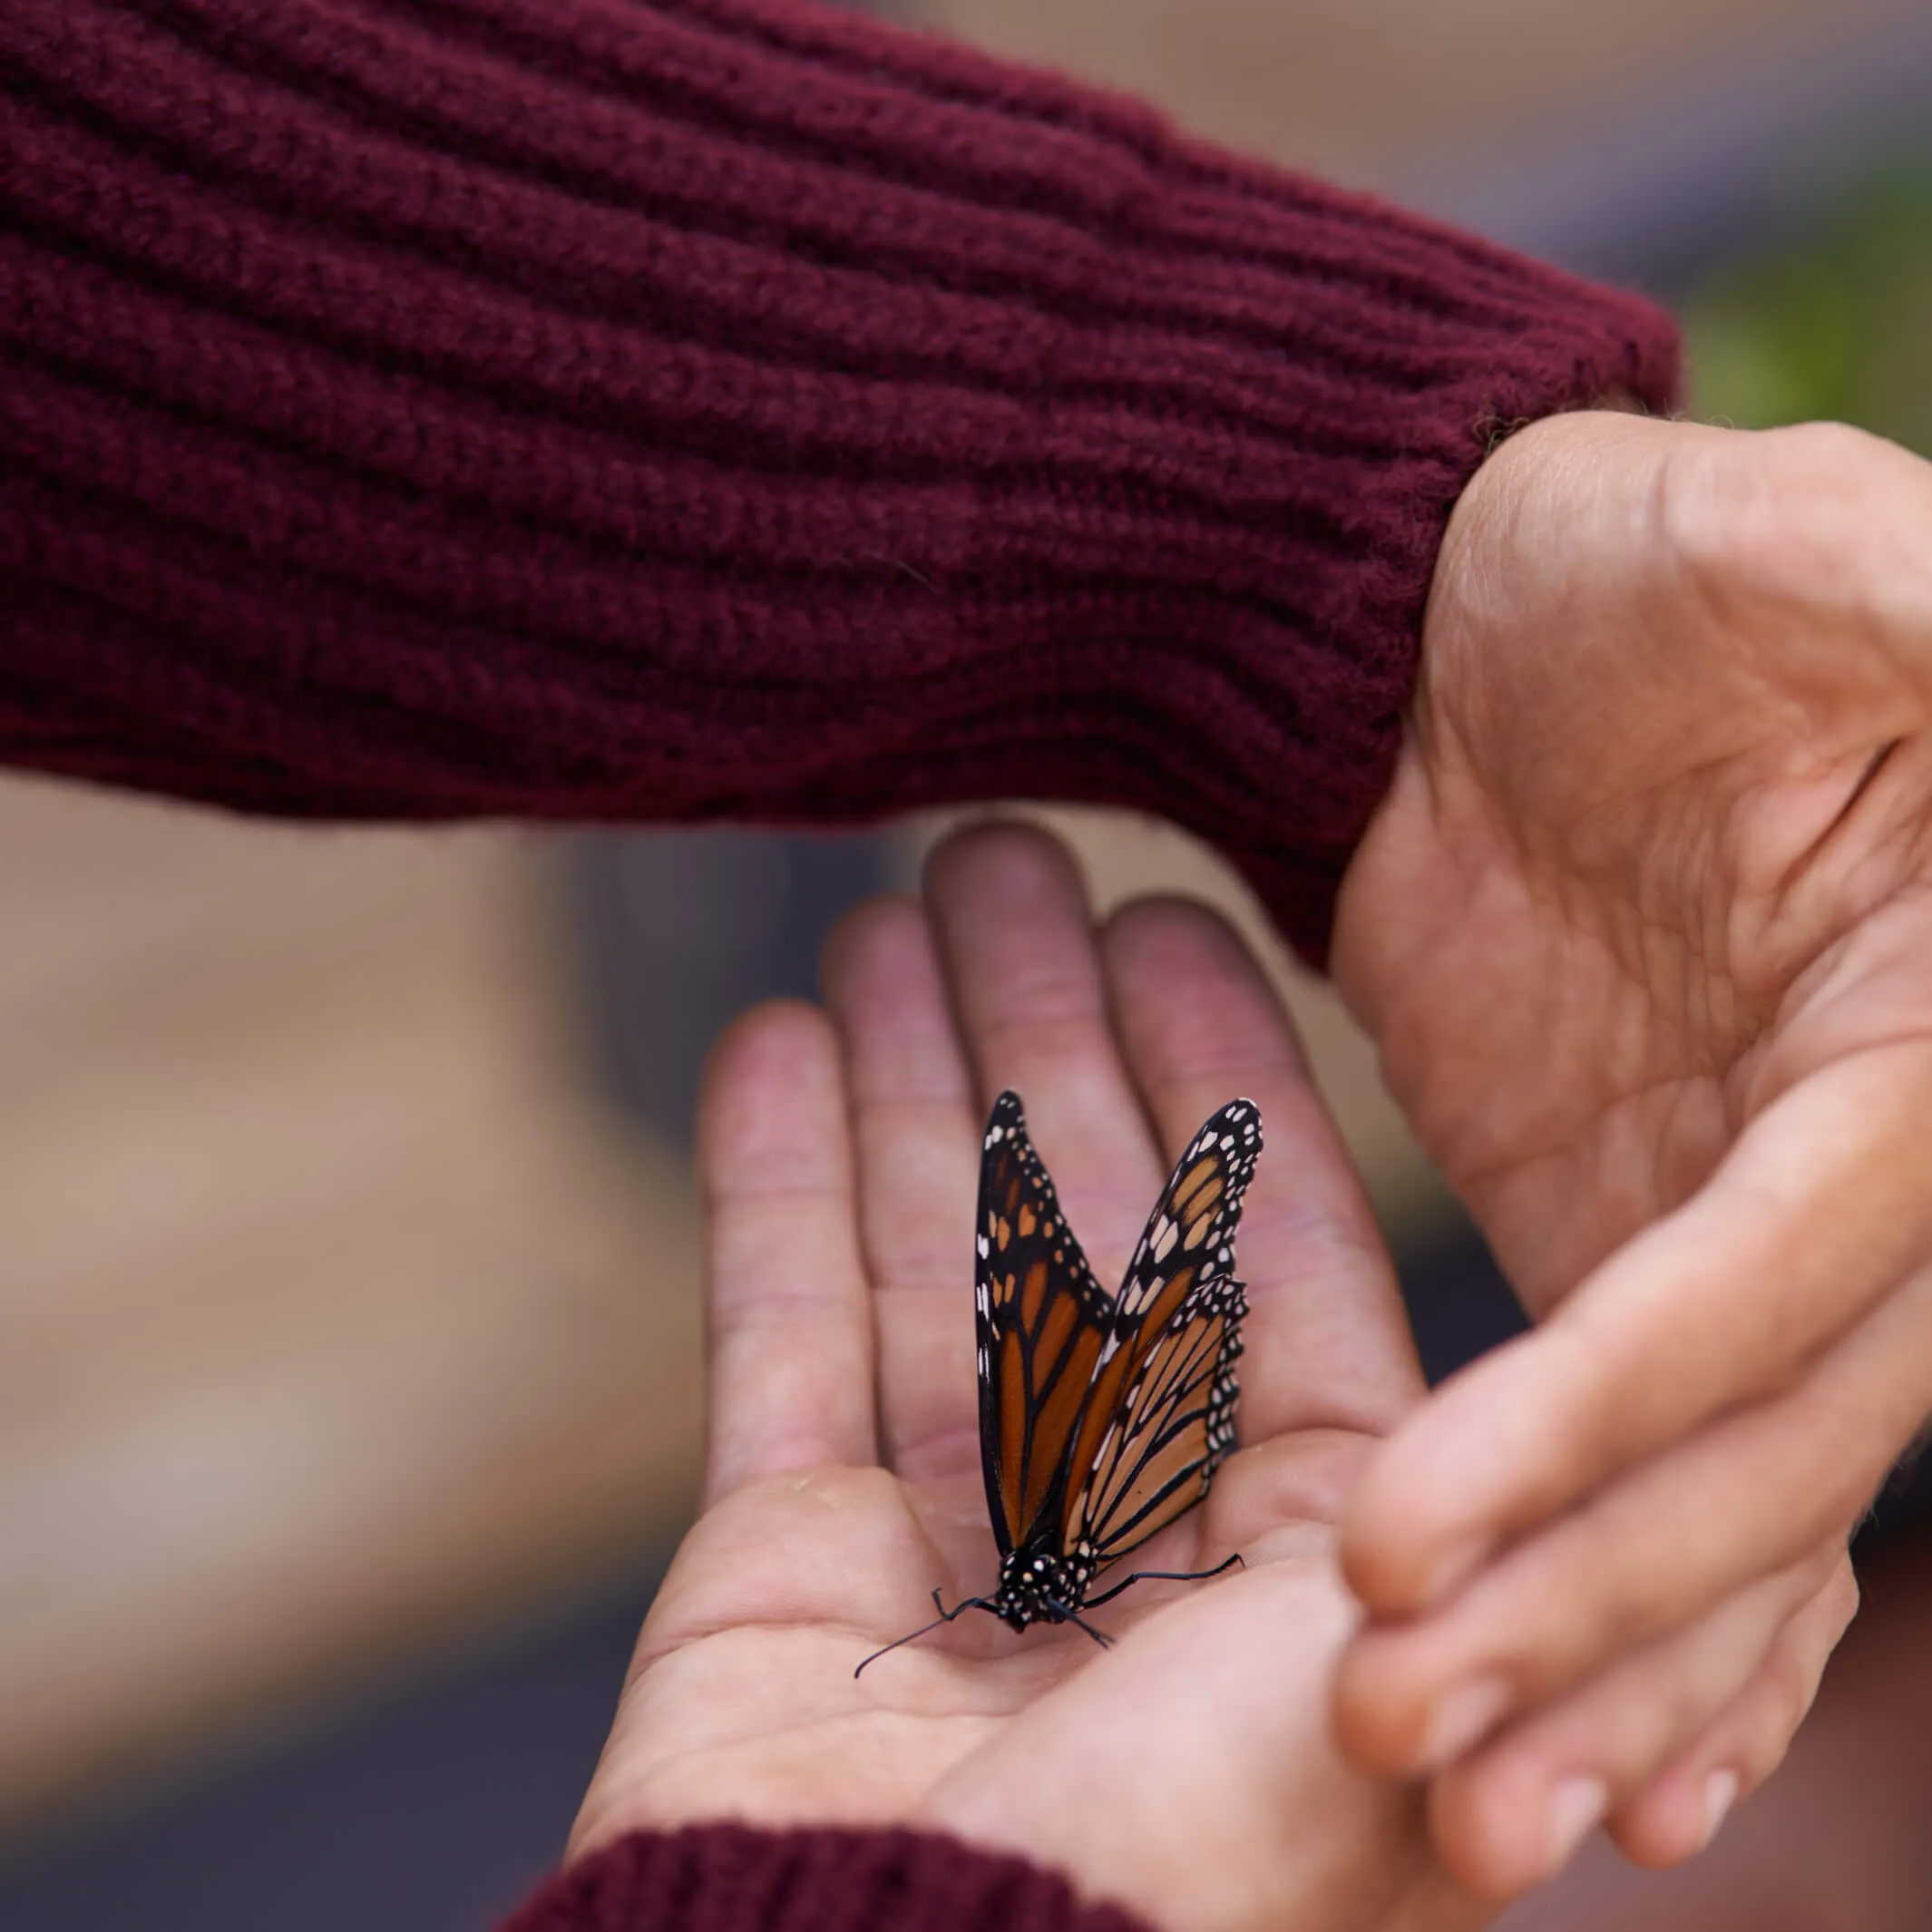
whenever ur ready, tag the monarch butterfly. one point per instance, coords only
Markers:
(1101, 1420)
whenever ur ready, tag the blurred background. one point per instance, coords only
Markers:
(349, 1390)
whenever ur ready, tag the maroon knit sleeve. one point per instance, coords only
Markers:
(690, 408)
(730, 1879)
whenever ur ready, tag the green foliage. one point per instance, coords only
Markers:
(1836, 323)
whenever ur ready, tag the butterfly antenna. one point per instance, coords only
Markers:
(944, 1616)
(1107, 1596)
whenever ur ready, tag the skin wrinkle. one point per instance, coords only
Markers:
(1211, 1069)
(1910, 863)
(1697, 977)
(766, 1307)
(1568, 899)
(946, 1452)
(762, 1189)
(916, 1278)
(1685, 963)
(1046, 1015)
(696, 1636)
(672, 1772)
(1305, 1227)
(1480, 1179)
(1899, 882)
(1813, 859)
(1812, 1004)
(1668, 1189)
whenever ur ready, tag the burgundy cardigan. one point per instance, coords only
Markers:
(675, 409)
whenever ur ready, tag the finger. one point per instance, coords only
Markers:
(789, 1315)
(1016, 938)
(1681, 1810)
(1328, 1344)
(1512, 1814)
(1743, 1497)
(916, 1125)
(1820, 1210)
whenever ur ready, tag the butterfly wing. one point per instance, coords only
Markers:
(1161, 1414)
(1042, 1321)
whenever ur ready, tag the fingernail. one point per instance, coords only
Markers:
(1721, 1792)
(1577, 1808)
(1462, 1717)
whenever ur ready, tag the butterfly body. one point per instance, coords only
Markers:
(1039, 1586)
(1102, 1418)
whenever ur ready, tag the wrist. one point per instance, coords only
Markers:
(1550, 535)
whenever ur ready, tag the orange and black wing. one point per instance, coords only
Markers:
(1161, 1414)
(1042, 1322)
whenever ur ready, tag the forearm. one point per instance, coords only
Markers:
(590, 408)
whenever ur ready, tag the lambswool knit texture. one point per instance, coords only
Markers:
(728, 1878)
(676, 409)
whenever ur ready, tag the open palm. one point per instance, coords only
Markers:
(1187, 1770)
(1645, 932)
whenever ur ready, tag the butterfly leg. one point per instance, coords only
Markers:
(1073, 1616)
(1107, 1596)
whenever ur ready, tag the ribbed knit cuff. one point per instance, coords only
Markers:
(610, 409)
(730, 1879)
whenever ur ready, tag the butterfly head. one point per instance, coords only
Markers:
(1041, 1587)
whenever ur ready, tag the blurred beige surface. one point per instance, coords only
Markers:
(331, 1316)
(1376, 92)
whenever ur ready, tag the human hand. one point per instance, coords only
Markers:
(1189, 1770)
(1644, 933)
